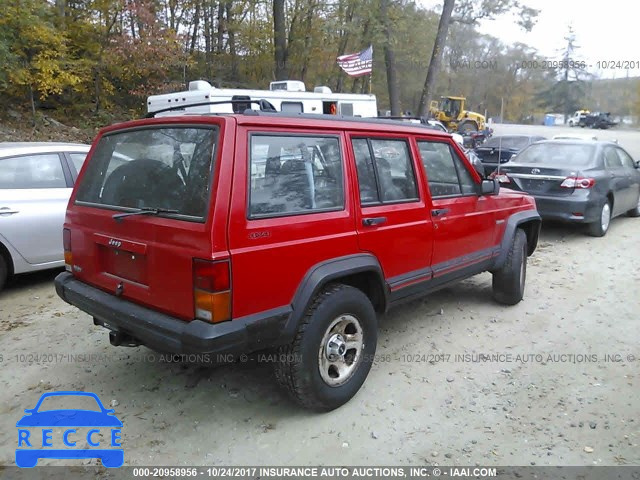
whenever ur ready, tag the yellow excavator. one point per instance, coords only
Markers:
(450, 111)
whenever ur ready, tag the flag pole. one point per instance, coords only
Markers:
(370, 80)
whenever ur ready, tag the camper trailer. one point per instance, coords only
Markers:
(285, 96)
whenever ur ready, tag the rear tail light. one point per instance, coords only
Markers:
(578, 182)
(212, 290)
(66, 243)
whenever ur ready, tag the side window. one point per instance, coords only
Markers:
(294, 174)
(447, 174)
(78, 160)
(346, 109)
(627, 161)
(385, 174)
(291, 107)
(32, 171)
(611, 159)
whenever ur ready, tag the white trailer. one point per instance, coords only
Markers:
(285, 96)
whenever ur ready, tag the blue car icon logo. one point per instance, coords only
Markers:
(69, 433)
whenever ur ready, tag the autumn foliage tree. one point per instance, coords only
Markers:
(37, 62)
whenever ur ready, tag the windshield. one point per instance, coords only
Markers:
(69, 402)
(517, 143)
(152, 168)
(556, 154)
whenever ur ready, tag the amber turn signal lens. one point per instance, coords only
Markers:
(68, 261)
(213, 307)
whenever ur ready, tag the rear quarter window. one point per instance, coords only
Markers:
(159, 167)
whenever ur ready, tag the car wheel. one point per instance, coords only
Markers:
(332, 352)
(635, 212)
(600, 227)
(4, 271)
(467, 127)
(509, 281)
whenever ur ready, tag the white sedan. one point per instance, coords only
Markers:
(36, 180)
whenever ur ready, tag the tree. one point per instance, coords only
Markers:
(469, 12)
(390, 59)
(41, 64)
(280, 40)
(436, 57)
(567, 91)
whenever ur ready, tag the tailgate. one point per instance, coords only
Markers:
(140, 214)
(144, 260)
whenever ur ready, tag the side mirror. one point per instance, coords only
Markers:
(490, 187)
(638, 164)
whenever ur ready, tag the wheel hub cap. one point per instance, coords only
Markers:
(336, 347)
(340, 350)
(605, 217)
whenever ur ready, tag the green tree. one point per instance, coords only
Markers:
(38, 60)
(568, 81)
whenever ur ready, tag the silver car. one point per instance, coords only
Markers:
(36, 180)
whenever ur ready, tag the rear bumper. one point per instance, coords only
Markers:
(570, 208)
(168, 334)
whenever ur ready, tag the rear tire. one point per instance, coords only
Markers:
(4, 271)
(316, 371)
(635, 212)
(600, 227)
(509, 281)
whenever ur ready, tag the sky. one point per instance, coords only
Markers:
(604, 31)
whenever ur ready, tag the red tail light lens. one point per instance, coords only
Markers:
(212, 290)
(66, 243)
(578, 182)
(66, 239)
(211, 276)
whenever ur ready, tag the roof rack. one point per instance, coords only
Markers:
(399, 117)
(264, 105)
(267, 109)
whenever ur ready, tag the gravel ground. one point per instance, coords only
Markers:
(458, 379)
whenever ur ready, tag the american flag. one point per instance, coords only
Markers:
(357, 64)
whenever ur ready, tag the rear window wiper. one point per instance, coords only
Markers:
(143, 211)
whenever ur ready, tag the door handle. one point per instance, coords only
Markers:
(370, 222)
(8, 211)
(438, 212)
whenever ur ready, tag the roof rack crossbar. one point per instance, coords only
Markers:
(264, 106)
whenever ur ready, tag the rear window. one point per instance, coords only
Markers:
(556, 154)
(507, 142)
(166, 168)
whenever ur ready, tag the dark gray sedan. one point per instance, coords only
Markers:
(578, 181)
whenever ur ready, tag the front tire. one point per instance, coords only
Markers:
(509, 281)
(600, 227)
(332, 352)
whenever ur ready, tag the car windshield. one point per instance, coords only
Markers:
(507, 142)
(556, 154)
(69, 402)
(152, 168)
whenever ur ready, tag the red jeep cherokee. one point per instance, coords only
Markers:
(236, 233)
